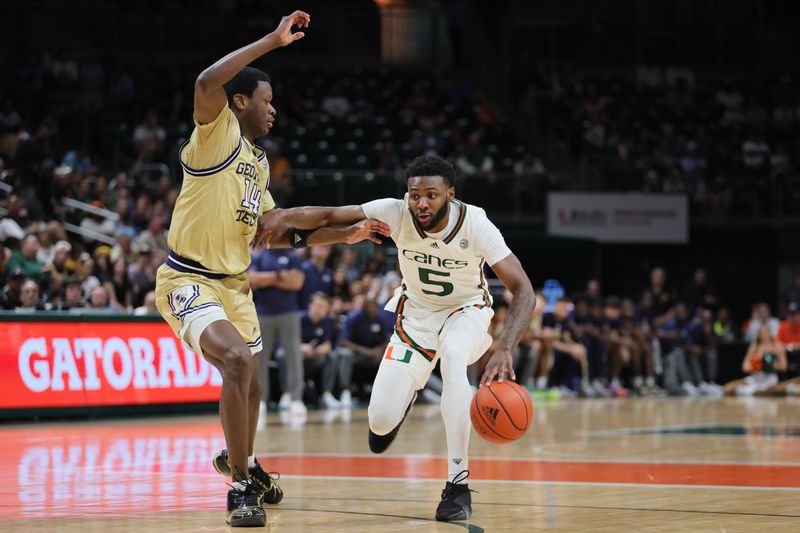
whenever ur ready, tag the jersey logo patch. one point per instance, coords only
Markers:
(463, 243)
(435, 244)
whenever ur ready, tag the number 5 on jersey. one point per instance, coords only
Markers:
(426, 277)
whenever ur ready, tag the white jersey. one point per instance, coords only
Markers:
(443, 270)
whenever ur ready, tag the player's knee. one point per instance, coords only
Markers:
(383, 419)
(237, 361)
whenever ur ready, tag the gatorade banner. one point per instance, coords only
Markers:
(619, 218)
(84, 364)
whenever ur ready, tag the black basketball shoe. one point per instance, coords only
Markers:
(266, 482)
(379, 443)
(244, 505)
(456, 501)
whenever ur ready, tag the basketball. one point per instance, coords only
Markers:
(501, 412)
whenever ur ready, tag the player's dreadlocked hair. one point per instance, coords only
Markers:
(245, 82)
(432, 165)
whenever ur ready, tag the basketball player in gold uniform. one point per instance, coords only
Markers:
(203, 289)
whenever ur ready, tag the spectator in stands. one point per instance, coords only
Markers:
(765, 357)
(149, 306)
(149, 138)
(701, 349)
(142, 276)
(84, 271)
(761, 315)
(529, 165)
(276, 278)
(10, 297)
(364, 338)
(120, 291)
(125, 248)
(98, 301)
(102, 263)
(622, 350)
(636, 330)
(318, 275)
(155, 236)
(25, 258)
(789, 335)
(663, 299)
(791, 294)
(472, 159)
(30, 299)
(97, 223)
(723, 326)
(61, 265)
(671, 335)
(568, 355)
(73, 294)
(590, 334)
(317, 347)
(698, 294)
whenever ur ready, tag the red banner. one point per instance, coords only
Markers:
(58, 364)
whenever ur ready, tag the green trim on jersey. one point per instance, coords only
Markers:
(462, 215)
(430, 355)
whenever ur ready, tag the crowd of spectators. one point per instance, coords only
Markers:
(731, 144)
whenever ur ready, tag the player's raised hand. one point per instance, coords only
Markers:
(283, 32)
(499, 364)
(366, 229)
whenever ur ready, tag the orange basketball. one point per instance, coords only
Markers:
(501, 412)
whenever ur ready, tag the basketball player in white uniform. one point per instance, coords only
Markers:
(443, 307)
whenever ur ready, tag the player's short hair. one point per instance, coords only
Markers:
(431, 165)
(245, 82)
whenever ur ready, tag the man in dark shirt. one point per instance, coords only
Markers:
(276, 278)
(569, 355)
(317, 347)
(663, 300)
(586, 329)
(672, 338)
(702, 348)
(10, 297)
(364, 337)
(318, 276)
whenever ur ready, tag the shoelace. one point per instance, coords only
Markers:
(457, 482)
(250, 493)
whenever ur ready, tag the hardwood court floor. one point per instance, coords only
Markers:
(586, 465)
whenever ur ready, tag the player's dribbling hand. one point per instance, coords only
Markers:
(283, 32)
(499, 364)
(366, 229)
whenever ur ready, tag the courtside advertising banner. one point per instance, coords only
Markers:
(619, 218)
(81, 364)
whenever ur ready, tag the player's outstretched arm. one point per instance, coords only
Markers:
(209, 95)
(513, 276)
(276, 222)
(367, 229)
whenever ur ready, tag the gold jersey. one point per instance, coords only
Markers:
(224, 192)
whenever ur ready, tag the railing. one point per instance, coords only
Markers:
(522, 199)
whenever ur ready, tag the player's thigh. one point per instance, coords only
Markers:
(464, 336)
(399, 376)
(238, 302)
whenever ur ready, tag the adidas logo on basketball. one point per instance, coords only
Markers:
(490, 413)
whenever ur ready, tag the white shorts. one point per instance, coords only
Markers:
(418, 335)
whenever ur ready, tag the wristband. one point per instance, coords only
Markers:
(298, 237)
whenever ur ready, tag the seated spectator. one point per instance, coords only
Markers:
(318, 275)
(25, 258)
(142, 276)
(789, 335)
(723, 327)
(149, 138)
(761, 315)
(364, 338)
(635, 329)
(60, 266)
(765, 357)
(30, 299)
(99, 301)
(568, 356)
(73, 294)
(84, 271)
(702, 351)
(155, 236)
(96, 223)
(672, 340)
(317, 348)
(10, 297)
(149, 306)
(590, 333)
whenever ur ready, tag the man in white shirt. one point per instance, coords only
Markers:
(443, 306)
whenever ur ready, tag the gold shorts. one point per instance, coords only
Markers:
(190, 302)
